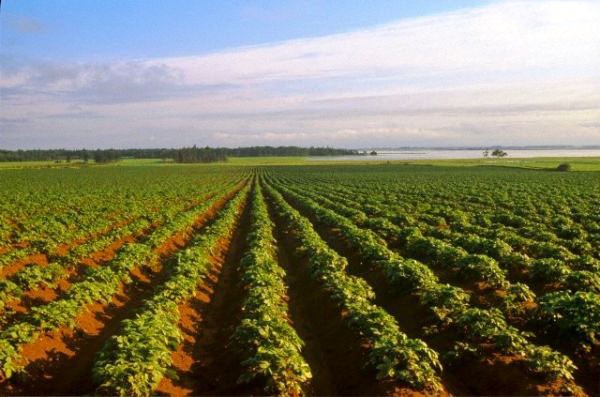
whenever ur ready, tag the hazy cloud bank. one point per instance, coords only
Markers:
(507, 73)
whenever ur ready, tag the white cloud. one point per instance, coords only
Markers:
(510, 72)
(507, 37)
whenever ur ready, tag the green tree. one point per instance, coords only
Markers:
(564, 167)
(498, 153)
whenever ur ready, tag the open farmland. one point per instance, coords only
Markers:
(342, 279)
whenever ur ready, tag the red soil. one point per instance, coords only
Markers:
(34, 259)
(335, 354)
(205, 363)
(108, 253)
(63, 249)
(42, 259)
(13, 247)
(60, 362)
(498, 375)
(49, 358)
(15, 306)
(44, 294)
(191, 317)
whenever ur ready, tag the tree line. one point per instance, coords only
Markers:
(99, 155)
(192, 154)
(199, 155)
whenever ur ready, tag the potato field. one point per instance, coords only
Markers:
(382, 279)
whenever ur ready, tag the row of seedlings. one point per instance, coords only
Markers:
(99, 285)
(450, 304)
(133, 362)
(269, 346)
(391, 353)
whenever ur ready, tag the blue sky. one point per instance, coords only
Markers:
(113, 29)
(133, 73)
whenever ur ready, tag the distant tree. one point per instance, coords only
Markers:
(486, 153)
(564, 167)
(373, 153)
(85, 156)
(68, 158)
(498, 153)
(199, 155)
(106, 156)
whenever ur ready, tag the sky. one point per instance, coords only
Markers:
(357, 74)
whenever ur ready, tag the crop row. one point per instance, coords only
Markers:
(565, 313)
(450, 304)
(34, 276)
(578, 274)
(391, 353)
(44, 228)
(269, 346)
(133, 362)
(528, 240)
(99, 285)
(445, 247)
(464, 207)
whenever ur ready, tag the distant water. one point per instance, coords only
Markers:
(463, 154)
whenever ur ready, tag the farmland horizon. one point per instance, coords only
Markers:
(359, 148)
(300, 198)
